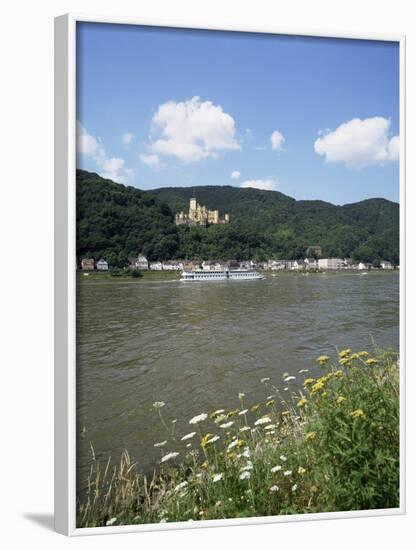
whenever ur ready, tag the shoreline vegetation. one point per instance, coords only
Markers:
(317, 443)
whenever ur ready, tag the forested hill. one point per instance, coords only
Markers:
(117, 222)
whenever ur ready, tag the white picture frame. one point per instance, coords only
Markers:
(65, 284)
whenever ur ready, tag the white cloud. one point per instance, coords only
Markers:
(108, 167)
(359, 143)
(268, 184)
(127, 138)
(149, 160)
(277, 140)
(235, 174)
(193, 130)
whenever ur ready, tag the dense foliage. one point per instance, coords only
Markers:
(118, 222)
(330, 443)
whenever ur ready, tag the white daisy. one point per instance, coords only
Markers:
(227, 424)
(264, 420)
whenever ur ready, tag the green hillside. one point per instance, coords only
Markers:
(117, 222)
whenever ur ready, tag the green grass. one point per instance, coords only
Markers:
(322, 444)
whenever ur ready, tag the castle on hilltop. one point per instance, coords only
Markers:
(200, 215)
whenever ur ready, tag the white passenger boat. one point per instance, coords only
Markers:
(221, 275)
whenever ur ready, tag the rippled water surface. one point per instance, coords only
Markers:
(196, 345)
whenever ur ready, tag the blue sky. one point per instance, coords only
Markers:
(313, 118)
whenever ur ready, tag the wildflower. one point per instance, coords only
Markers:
(158, 404)
(199, 418)
(217, 413)
(188, 445)
(217, 477)
(111, 521)
(316, 387)
(244, 411)
(255, 408)
(309, 381)
(322, 359)
(285, 389)
(289, 378)
(263, 420)
(283, 458)
(244, 428)
(270, 427)
(270, 402)
(287, 473)
(301, 470)
(294, 487)
(161, 444)
(245, 475)
(247, 467)
(346, 361)
(241, 395)
(355, 356)
(232, 444)
(302, 371)
(220, 418)
(218, 503)
(265, 380)
(276, 469)
(285, 413)
(310, 435)
(188, 436)
(246, 453)
(227, 424)
(302, 402)
(357, 413)
(274, 489)
(363, 354)
(205, 439)
(371, 361)
(212, 440)
(344, 353)
(341, 399)
(180, 486)
(169, 456)
(205, 464)
(233, 413)
(174, 421)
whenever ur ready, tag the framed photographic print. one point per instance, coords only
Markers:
(229, 213)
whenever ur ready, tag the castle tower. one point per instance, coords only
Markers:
(192, 209)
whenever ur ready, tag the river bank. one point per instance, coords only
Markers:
(321, 443)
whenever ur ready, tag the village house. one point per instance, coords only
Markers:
(364, 266)
(87, 264)
(385, 264)
(330, 263)
(102, 265)
(189, 265)
(155, 266)
(311, 263)
(172, 266)
(299, 264)
(141, 263)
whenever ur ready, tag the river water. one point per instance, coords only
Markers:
(195, 346)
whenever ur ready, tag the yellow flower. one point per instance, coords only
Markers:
(310, 435)
(316, 387)
(363, 353)
(270, 402)
(205, 464)
(355, 356)
(341, 399)
(309, 381)
(338, 374)
(345, 361)
(357, 413)
(344, 352)
(301, 470)
(322, 359)
(371, 361)
(285, 413)
(302, 402)
(255, 407)
(233, 413)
